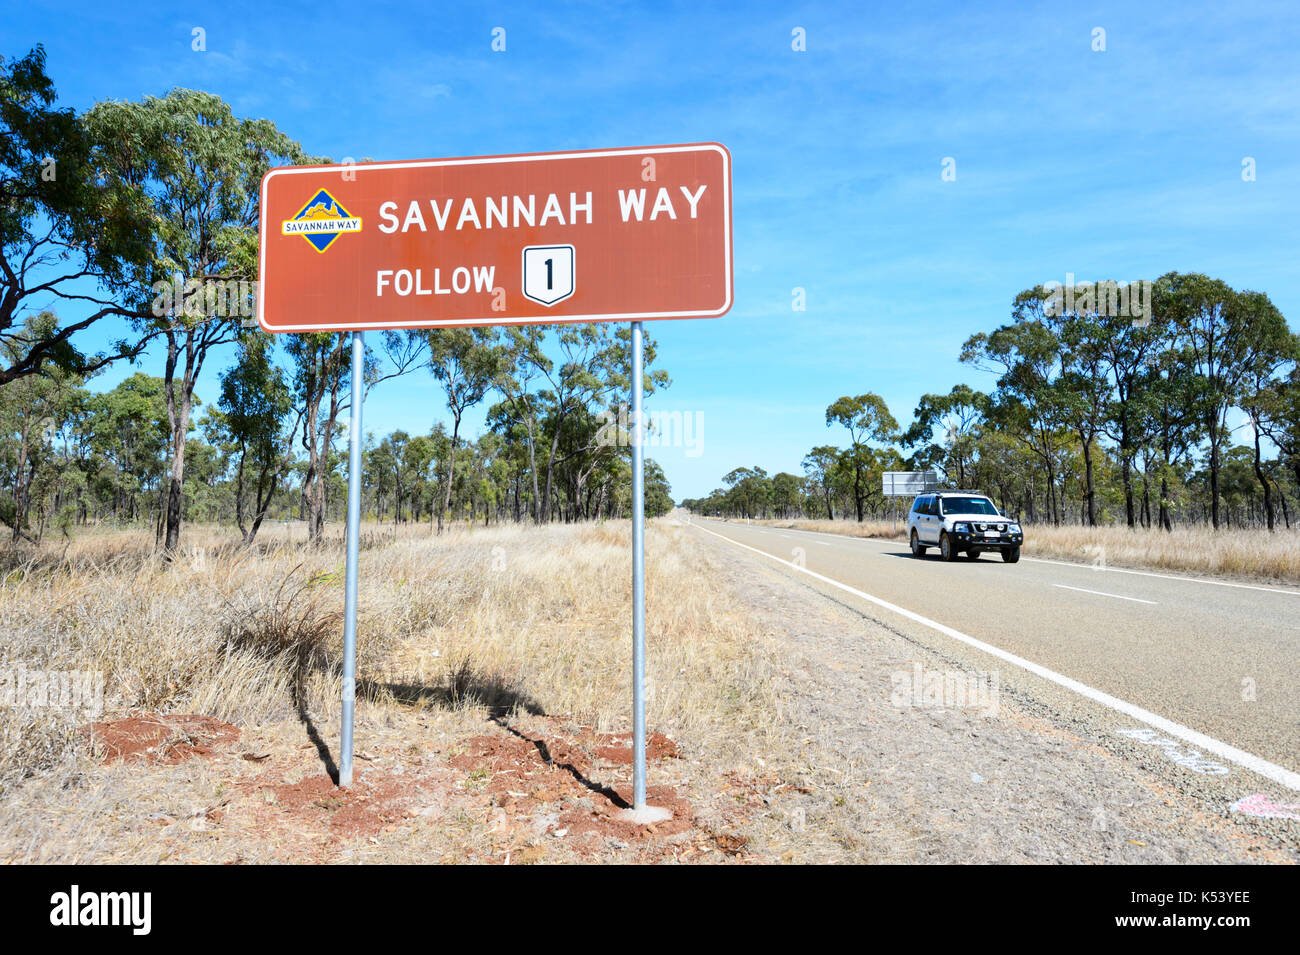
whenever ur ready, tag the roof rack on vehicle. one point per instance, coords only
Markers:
(960, 491)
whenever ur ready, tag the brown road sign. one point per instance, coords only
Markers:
(540, 238)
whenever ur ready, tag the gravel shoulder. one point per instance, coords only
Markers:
(904, 777)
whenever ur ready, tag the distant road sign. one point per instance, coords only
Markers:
(540, 238)
(908, 483)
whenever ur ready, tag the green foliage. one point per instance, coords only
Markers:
(64, 231)
(1095, 417)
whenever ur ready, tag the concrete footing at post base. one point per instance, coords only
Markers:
(645, 816)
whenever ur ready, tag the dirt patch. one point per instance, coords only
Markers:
(377, 801)
(537, 790)
(161, 739)
(551, 784)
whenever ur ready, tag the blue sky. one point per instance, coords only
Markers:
(1124, 163)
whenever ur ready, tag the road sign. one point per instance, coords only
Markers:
(538, 238)
(542, 238)
(907, 483)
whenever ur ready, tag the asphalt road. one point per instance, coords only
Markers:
(1189, 650)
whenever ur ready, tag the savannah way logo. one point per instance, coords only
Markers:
(321, 221)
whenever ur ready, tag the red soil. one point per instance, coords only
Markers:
(160, 739)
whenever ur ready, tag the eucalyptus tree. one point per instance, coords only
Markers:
(199, 168)
(128, 428)
(418, 458)
(467, 362)
(1267, 348)
(1027, 353)
(1082, 391)
(255, 403)
(1279, 419)
(866, 417)
(819, 464)
(1129, 351)
(955, 419)
(785, 494)
(525, 362)
(750, 491)
(658, 492)
(67, 234)
(1208, 320)
(320, 371)
(34, 411)
(591, 371)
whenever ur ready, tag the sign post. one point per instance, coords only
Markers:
(350, 574)
(598, 235)
(640, 812)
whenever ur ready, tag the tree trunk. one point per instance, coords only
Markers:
(1263, 480)
(451, 471)
(269, 479)
(1090, 491)
(20, 491)
(1214, 473)
(239, 494)
(175, 483)
(857, 491)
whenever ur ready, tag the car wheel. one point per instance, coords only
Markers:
(945, 547)
(1011, 555)
(917, 549)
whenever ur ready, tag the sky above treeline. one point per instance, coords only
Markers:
(1120, 163)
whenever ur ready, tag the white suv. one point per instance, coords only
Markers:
(962, 522)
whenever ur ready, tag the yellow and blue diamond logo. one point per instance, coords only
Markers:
(321, 221)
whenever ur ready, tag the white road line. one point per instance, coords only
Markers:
(1100, 593)
(1068, 563)
(1147, 573)
(1278, 774)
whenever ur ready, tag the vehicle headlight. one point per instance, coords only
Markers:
(1014, 528)
(961, 528)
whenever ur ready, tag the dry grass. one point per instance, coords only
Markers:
(1250, 554)
(452, 630)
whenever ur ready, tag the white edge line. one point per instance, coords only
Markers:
(1102, 593)
(1278, 774)
(1069, 563)
(539, 318)
(1148, 573)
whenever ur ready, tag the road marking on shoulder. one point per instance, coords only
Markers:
(1148, 573)
(1278, 774)
(1101, 593)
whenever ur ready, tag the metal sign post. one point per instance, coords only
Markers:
(640, 812)
(350, 580)
(638, 576)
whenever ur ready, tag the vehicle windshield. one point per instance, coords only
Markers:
(969, 505)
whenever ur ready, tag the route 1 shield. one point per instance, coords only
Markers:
(549, 273)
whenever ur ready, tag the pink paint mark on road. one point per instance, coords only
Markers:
(1260, 805)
